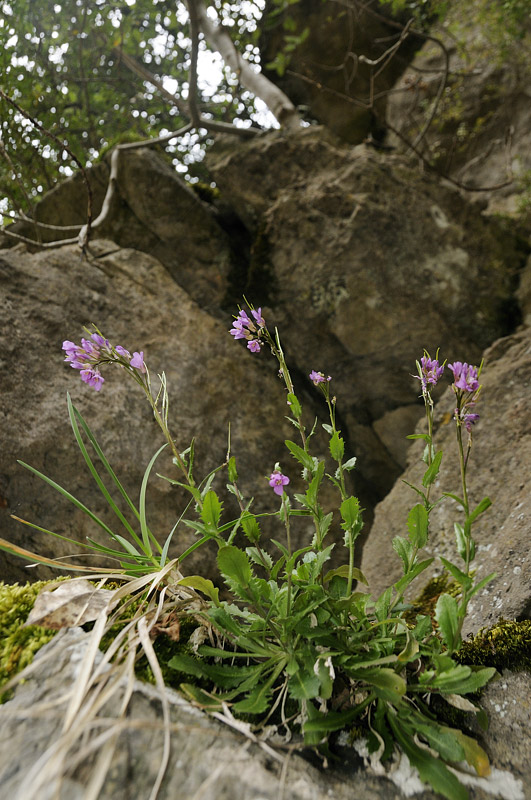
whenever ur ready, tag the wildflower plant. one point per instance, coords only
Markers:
(296, 645)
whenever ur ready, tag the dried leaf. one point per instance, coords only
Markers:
(72, 603)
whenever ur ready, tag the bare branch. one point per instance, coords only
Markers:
(279, 104)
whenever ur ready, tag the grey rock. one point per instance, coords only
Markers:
(47, 298)
(499, 468)
(367, 262)
(207, 759)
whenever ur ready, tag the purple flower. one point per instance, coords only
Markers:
(277, 481)
(92, 377)
(137, 361)
(469, 420)
(430, 371)
(122, 351)
(245, 328)
(318, 377)
(260, 321)
(465, 376)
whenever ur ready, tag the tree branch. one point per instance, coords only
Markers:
(279, 104)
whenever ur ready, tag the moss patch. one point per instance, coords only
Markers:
(507, 645)
(18, 645)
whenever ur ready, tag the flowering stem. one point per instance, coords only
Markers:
(285, 510)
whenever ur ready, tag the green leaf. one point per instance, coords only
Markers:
(303, 685)
(473, 753)
(258, 700)
(405, 550)
(461, 577)
(234, 563)
(337, 447)
(201, 698)
(310, 499)
(187, 664)
(431, 769)
(202, 585)
(260, 557)
(350, 509)
(250, 526)
(483, 582)
(211, 511)
(389, 685)
(433, 470)
(343, 572)
(480, 508)
(417, 523)
(294, 405)
(447, 616)
(233, 474)
(307, 461)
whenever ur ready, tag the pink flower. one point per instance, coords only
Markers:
(277, 481)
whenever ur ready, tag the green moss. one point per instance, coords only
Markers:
(205, 191)
(18, 645)
(507, 645)
(425, 602)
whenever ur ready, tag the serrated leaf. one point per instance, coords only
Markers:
(211, 510)
(404, 548)
(350, 509)
(259, 556)
(250, 526)
(234, 563)
(337, 446)
(301, 455)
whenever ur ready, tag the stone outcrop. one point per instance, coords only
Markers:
(367, 261)
(207, 759)
(480, 130)
(499, 467)
(212, 380)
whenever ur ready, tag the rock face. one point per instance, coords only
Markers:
(207, 759)
(480, 131)
(338, 66)
(47, 298)
(361, 261)
(499, 467)
(366, 262)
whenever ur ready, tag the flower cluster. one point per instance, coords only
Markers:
(430, 371)
(318, 377)
(467, 389)
(277, 481)
(246, 328)
(92, 352)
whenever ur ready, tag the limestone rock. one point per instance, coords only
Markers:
(367, 262)
(481, 128)
(47, 298)
(207, 759)
(499, 467)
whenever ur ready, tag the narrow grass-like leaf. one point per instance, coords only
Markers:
(74, 416)
(146, 533)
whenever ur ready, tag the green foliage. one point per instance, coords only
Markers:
(292, 642)
(18, 645)
(60, 61)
